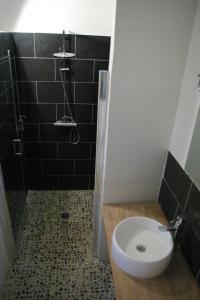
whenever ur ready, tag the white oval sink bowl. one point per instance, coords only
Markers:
(140, 249)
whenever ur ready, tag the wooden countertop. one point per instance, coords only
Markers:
(176, 283)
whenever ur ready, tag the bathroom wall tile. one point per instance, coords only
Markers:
(193, 209)
(177, 179)
(48, 132)
(46, 44)
(4, 71)
(6, 111)
(39, 113)
(31, 132)
(69, 151)
(92, 183)
(27, 92)
(88, 46)
(80, 70)
(86, 93)
(40, 150)
(94, 114)
(32, 167)
(87, 132)
(23, 44)
(84, 167)
(82, 113)
(167, 201)
(35, 69)
(73, 182)
(41, 182)
(7, 43)
(41, 101)
(190, 246)
(58, 167)
(13, 177)
(93, 150)
(2, 87)
(6, 135)
(52, 92)
(100, 65)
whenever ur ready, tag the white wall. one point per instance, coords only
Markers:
(80, 16)
(151, 44)
(189, 98)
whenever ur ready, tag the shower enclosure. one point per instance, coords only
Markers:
(11, 147)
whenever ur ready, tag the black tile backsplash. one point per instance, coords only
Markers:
(177, 179)
(80, 151)
(23, 44)
(27, 92)
(35, 69)
(168, 201)
(179, 195)
(39, 113)
(86, 93)
(58, 167)
(193, 209)
(92, 47)
(58, 164)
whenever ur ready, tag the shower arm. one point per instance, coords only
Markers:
(63, 40)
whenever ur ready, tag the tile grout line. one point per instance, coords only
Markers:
(55, 68)
(94, 69)
(92, 114)
(90, 150)
(172, 192)
(188, 196)
(52, 81)
(74, 92)
(57, 149)
(39, 132)
(34, 49)
(51, 58)
(41, 167)
(36, 90)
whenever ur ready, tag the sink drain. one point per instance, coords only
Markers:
(141, 248)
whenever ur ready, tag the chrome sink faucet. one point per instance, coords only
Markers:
(174, 225)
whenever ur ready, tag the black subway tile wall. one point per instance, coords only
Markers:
(179, 195)
(58, 164)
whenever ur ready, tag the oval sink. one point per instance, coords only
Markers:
(140, 249)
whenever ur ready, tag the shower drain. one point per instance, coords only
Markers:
(141, 248)
(65, 215)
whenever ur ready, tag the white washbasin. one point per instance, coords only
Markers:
(140, 249)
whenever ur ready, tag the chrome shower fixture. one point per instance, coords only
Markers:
(63, 53)
(67, 119)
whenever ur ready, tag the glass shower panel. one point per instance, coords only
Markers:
(11, 156)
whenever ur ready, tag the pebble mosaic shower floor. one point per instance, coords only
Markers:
(54, 254)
